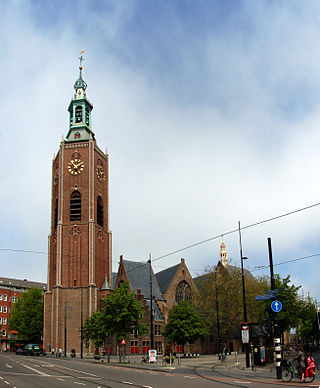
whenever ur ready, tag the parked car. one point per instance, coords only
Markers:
(21, 351)
(33, 349)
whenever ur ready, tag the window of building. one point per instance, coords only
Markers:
(0, 320)
(77, 135)
(0, 309)
(4, 333)
(5, 309)
(14, 299)
(78, 114)
(157, 330)
(71, 118)
(158, 346)
(5, 297)
(4, 320)
(56, 214)
(0, 296)
(75, 206)
(99, 211)
(183, 292)
(87, 117)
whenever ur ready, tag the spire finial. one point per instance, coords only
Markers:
(81, 59)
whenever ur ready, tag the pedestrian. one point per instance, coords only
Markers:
(52, 352)
(60, 352)
(225, 353)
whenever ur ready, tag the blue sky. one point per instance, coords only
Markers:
(209, 111)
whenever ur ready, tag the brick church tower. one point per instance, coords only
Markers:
(79, 262)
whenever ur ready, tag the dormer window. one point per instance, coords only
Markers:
(78, 114)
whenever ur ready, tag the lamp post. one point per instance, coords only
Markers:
(217, 310)
(151, 309)
(245, 317)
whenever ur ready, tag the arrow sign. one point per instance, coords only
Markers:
(276, 306)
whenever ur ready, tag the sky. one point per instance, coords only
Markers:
(209, 110)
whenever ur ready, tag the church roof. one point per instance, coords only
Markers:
(165, 277)
(157, 313)
(139, 277)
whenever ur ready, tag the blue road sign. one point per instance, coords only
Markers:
(276, 306)
(272, 292)
(264, 297)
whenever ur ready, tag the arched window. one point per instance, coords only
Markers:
(87, 117)
(99, 211)
(183, 292)
(56, 214)
(75, 206)
(71, 118)
(78, 114)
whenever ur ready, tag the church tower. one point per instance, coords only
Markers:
(223, 254)
(79, 262)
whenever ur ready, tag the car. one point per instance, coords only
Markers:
(21, 351)
(33, 349)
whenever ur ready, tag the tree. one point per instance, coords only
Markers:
(27, 315)
(121, 314)
(94, 329)
(307, 315)
(184, 325)
(220, 293)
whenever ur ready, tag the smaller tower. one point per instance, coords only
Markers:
(223, 254)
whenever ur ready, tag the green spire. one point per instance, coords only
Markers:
(80, 111)
(80, 83)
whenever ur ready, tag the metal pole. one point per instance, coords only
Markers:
(217, 309)
(246, 346)
(151, 309)
(276, 327)
(81, 330)
(65, 329)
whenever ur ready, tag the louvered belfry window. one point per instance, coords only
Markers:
(75, 206)
(99, 211)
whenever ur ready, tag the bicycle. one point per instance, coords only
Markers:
(288, 372)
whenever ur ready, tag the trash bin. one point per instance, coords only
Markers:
(259, 355)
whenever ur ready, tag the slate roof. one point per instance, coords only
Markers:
(21, 284)
(157, 313)
(139, 277)
(165, 277)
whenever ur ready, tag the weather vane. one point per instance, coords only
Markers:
(81, 59)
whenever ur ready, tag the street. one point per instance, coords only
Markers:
(24, 372)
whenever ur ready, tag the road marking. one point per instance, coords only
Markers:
(8, 366)
(127, 382)
(60, 379)
(35, 370)
(242, 382)
(75, 382)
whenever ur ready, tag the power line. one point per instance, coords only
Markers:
(196, 243)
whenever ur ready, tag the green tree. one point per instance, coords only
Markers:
(184, 324)
(121, 314)
(307, 317)
(27, 315)
(94, 329)
(220, 291)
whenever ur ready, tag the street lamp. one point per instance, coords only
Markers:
(245, 317)
(217, 310)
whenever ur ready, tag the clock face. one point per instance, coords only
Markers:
(100, 171)
(75, 166)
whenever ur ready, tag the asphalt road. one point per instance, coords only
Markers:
(41, 372)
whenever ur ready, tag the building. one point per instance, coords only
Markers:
(10, 291)
(79, 262)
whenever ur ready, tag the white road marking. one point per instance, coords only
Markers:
(60, 379)
(127, 382)
(35, 370)
(8, 366)
(75, 382)
(242, 382)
